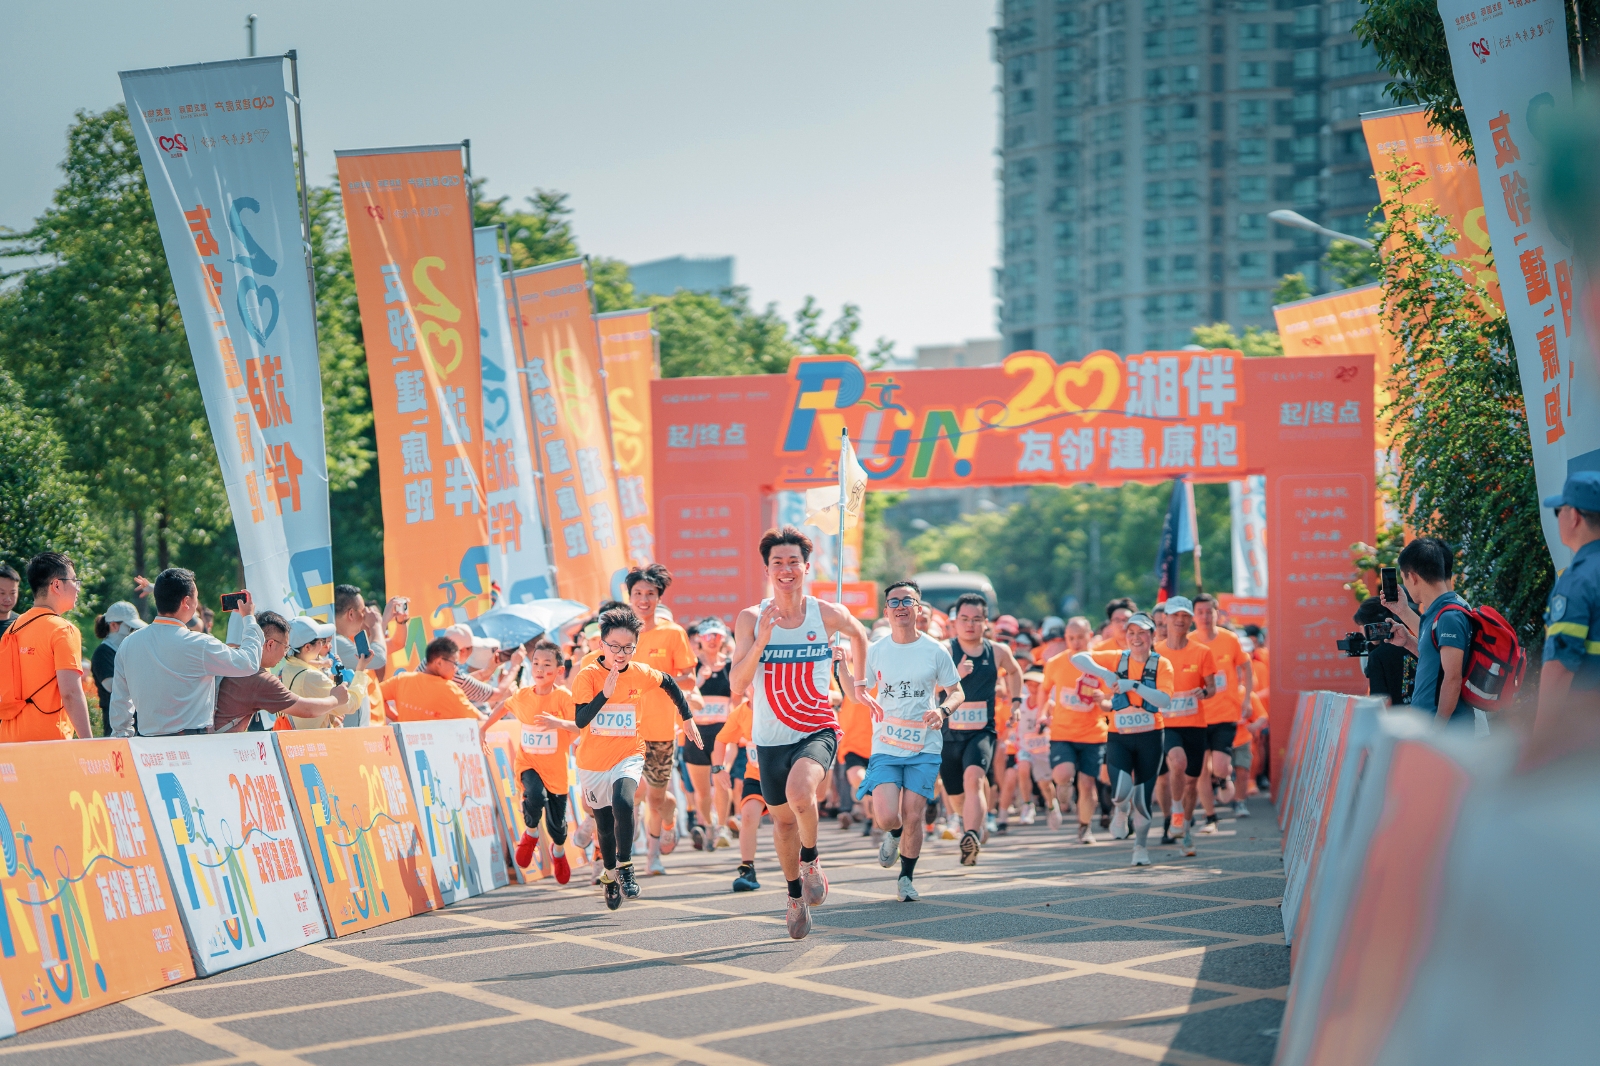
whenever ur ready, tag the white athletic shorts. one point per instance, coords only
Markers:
(598, 785)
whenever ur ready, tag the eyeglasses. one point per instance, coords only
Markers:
(626, 649)
(901, 601)
(73, 580)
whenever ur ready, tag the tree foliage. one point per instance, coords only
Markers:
(1083, 541)
(1459, 423)
(1291, 287)
(1352, 264)
(1256, 342)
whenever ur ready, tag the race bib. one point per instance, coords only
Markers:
(538, 741)
(902, 733)
(972, 715)
(1134, 720)
(1036, 744)
(615, 720)
(715, 710)
(1184, 703)
(1088, 692)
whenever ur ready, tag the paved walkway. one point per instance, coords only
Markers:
(1045, 953)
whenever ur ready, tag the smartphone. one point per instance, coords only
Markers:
(363, 645)
(232, 600)
(1391, 587)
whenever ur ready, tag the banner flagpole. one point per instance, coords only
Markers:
(300, 164)
(838, 562)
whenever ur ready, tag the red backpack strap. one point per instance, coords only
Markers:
(1433, 630)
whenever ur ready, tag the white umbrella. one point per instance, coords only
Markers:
(517, 623)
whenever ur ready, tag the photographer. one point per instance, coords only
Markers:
(1440, 638)
(1390, 669)
(309, 673)
(240, 698)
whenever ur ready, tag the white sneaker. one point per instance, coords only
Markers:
(906, 891)
(584, 834)
(669, 840)
(1240, 810)
(1053, 818)
(991, 824)
(654, 867)
(888, 850)
(1209, 829)
(1028, 815)
(1085, 836)
(1119, 823)
(724, 838)
(1141, 856)
(1188, 840)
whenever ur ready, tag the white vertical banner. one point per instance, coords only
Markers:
(1247, 506)
(517, 563)
(1512, 73)
(214, 141)
(455, 803)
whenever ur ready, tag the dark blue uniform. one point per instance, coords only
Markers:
(1572, 620)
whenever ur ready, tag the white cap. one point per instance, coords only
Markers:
(126, 613)
(303, 631)
(1174, 604)
(461, 634)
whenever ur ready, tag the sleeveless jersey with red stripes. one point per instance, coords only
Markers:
(791, 686)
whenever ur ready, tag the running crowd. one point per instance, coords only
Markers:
(931, 724)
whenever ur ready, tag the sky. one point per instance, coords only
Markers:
(839, 150)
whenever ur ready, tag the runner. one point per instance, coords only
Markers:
(711, 708)
(543, 711)
(734, 736)
(1140, 681)
(907, 669)
(969, 733)
(611, 758)
(1032, 729)
(1195, 678)
(1078, 704)
(663, 646)
(781, 647)
(855, 748)
(1118, 612)
(1224, 711)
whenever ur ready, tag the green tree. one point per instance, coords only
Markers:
(42, 500)
(1352, 264)
(1408, 36)
(706, 334)
(1459, 424)
(1255, 343)
(543, 233)
(1291, 287)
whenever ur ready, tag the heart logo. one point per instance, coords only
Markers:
(265, 296)
(1074, 379)
(496, 408)
(630, 452)
(173, 143)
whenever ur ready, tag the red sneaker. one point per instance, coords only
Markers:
(558, 864)
(525, 848)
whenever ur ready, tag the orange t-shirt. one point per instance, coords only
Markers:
(856, 721)
(602, 751)
(1070, 719)
(1111, 659)
(46, 642)
(1261, 669)
(425, 697)
(1109, 643)
(1229, 653)
(1192, 666)
(736, 730)
(1258, 710)
(664, 648)
(537, 749)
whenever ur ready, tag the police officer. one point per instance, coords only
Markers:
(1572, 620)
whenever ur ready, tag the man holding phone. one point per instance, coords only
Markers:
(357, 643)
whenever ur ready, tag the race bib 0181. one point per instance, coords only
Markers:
(973, 715)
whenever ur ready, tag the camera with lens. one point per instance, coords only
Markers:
(1358, 644)
(341, 674)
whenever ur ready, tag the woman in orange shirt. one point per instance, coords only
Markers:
(544, 712)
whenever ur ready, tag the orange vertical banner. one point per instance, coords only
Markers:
(410, 226)
(628, 354)
(558, 357)
(1452, 183)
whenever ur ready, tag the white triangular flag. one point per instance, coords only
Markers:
(822, 504)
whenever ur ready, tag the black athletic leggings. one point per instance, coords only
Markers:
(614, 824)
(536, 801)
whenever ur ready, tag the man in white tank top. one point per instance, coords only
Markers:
(782, 647)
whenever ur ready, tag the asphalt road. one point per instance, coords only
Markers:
(1045, 952)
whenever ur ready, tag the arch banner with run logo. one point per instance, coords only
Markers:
(455, 803)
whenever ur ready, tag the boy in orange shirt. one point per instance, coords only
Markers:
(663, 646)
(736, 732)
(429, 694)
(1183, 744)
(1224, 710)
(544, 712)
(855, 748)
(1077, 702)
(607, 695)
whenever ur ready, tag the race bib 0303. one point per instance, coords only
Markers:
(1134, 720)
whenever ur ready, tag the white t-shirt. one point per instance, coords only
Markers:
(906, 677)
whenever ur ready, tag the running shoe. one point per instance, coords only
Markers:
(584, 834)
(969, 848)
(991, 824)
(525, 847)
(844, 820)
(746, 881)
(814, 883)
(868, 829)
(724, 838)
(669, 841)
(1210, 828)
(1105, 819)
(906, 891)
(1188, 840)
(655, 868)
(1119, 824)
(1179, 824)
(560, 867)
(1053, 819)
(1240, 810)
(888, 850)
(697, 837)
(630, 887)
(613, 890)
(1141, 856)
(950, 831)
(798, 919)
(1085, 836)
(1028, 815)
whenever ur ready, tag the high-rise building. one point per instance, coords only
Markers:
(663, 277)
(1142, 145)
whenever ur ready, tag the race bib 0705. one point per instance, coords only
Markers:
(1134, 720)
(973, 715)
(615, 720)
(538, 741)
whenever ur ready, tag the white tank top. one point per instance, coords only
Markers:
(791, 686)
